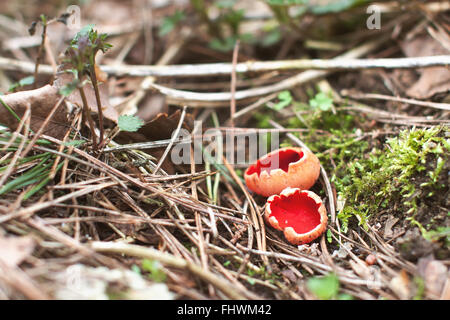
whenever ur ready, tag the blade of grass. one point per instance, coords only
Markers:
(25, 179)
(7, 107)
(41, 184)
(215, 119)
(24, 160)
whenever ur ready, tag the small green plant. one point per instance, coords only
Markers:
(321, 101)
(370, 178)
(272, 36)
(37, 169)
(326, 288)
(154, 269)
(21, 83)
(169, 23)
(81, 57)
(284, 98)
(317, 7)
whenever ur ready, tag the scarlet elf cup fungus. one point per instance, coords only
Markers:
(300, 214)
(282, 168)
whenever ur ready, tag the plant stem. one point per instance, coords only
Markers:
(39, 55)
(87, 114)
(97, 98)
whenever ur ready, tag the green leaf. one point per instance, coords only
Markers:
(74, 143)
(225, 4)
(135, 268)
(271, 38)
(329, 237)
(7, 107)
(285, 2)
(67, 89)
(324, 288)
(321, 101)
(336, 6)
(130, 123)
(223, 46)
(154, 269)
(21, 83)
(84, 31)
(169, 23)
(285, 100)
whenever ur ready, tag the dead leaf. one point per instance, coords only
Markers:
(434, 273)
(400, 285)
(342, 252)
(310, 249)
(446, 292)
(390, 222)
(432, 80)
(160, 127)
(42, 101)
(14, 250)
(151, 106)
(289, 275)
(83, 282)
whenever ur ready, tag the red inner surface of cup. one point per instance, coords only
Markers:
(278, 160)
(297, 210)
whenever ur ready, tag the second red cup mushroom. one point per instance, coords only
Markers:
(300, 214)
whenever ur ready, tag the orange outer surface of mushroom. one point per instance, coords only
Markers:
(301, 215)
(282, 168)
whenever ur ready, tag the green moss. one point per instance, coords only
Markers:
(399, 176)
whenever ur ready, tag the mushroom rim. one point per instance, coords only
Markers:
(279, 171)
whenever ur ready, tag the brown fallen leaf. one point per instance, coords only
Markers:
(434, 273)
(289, 275)
(159, 128)
(42, 101)
(446, 291)
(432, 80)
(400, 285)
(390, 222)
(151, 106)
(14, 250)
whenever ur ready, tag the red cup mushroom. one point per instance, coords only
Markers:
(300, 214)
(282, 168)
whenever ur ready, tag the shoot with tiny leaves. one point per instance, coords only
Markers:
(81, 57)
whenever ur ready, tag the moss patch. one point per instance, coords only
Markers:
(405, 175)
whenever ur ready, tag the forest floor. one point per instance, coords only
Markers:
(94, 205)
